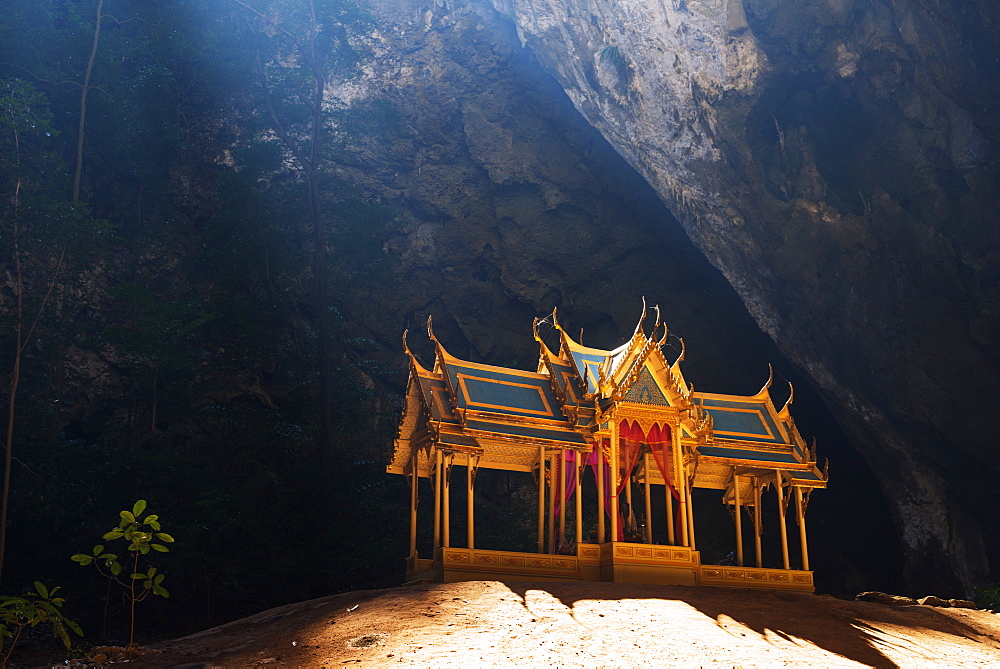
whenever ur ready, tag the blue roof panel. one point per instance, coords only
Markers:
(747, 454)
(744, 421)
(513, 393)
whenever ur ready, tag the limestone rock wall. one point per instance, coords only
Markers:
(836, 161)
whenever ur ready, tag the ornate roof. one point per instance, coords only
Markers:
(505, 415)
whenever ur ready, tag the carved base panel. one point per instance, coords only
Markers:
(615, 562)
(753, 577)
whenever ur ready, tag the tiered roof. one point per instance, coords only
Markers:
(504, 415)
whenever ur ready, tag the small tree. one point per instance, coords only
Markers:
(142, 534)
(31, 610)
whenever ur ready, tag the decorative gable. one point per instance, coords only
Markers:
(645, 391)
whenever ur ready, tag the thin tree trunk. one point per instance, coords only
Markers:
(84, 90)
(21, 337)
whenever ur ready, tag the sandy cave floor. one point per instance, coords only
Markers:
(488, 623)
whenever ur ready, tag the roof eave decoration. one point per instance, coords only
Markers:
(765, 392)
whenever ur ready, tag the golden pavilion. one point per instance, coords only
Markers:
(629, 416)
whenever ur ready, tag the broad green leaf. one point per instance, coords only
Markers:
(150, 519)
(113, 534)
(147, 584)
(155, 525)
(161, 591)
(73, 626)
(158, 580)
(82, 559)
(138, 508)
(160, 548)
(127, 516)
(144, 549)
(136, 577)
(163, 536)
(151, 572)
(108, 557)
(98, 549)
(41, 590)
(116, 568)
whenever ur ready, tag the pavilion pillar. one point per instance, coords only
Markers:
(671, 538)
(800, 507)
(649, 502)
(600, 494)
(613, 468)
(553, 475)
(756, 522)
(690, 519)
(414, 482)
(562, 496)
(541, 499)
(437, 498)
(446, 529)
(578, 499)
(781, 518)
(628, 501)
(739, 519)
(470, 511)
(680, 476)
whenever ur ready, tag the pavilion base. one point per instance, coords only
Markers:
(615, 562)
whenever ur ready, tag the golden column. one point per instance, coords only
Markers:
(541, 499)
(800, 507)
(578, 498)
(680, 476)
(756, 522)
(649, 502)
(446, 530)
(562, 497)
(781, 519)
(739, 519)
(552, 502)
(613, 468)
(437, 498)
(671, 537)
(690, 505)
(600, 494)
(470, 480)
(414, 482)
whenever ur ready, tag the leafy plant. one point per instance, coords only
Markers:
(31, 610)
(142, 535)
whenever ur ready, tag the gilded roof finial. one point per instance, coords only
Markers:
(406, 349)
(683, 351)
(638, 326)
(555, 319)
(430, 329)
(534, 329)
(770, 380)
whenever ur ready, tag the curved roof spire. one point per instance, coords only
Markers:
(638, 326)
(785, 413)
(430, 330)
(413, 359)
(677, 362)
(770, 379)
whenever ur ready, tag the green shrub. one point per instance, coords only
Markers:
(31, 610)
(142, 535)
